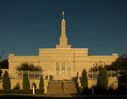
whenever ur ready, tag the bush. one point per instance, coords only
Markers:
(102, 82)
(6, 81)
(26, 83)
(15, 91)
(19, 92)
(41, 84)
(84, 80)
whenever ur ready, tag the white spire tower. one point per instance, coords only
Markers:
(63, 37)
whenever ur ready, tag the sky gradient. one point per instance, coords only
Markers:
(27, 25)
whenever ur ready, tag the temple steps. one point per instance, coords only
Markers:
(55, 87)
(70, 88)
(60, 87)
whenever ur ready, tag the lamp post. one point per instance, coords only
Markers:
(33, 89)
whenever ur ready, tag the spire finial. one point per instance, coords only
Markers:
(63, 14)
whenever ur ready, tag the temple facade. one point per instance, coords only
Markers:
(62, 62)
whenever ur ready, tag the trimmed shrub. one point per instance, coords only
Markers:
(84, 79)
(102, 82)
(26, 83)
(41, 84)
(6, 81)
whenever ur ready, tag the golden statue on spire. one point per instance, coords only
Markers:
(63, 14)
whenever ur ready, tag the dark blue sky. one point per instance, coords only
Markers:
(27, 25)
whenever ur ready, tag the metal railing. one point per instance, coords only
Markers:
(36, 74)
(31, 74)
(109, 73)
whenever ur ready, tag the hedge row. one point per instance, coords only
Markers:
(19, 92)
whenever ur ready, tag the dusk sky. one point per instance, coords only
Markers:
(27, 25)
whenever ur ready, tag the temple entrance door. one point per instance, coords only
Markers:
(63, 70)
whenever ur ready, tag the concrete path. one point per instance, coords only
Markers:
(62, 96)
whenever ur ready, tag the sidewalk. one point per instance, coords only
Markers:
(62, 96)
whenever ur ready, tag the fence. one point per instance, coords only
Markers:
(36, 74)
(109, 73)
(31, 74)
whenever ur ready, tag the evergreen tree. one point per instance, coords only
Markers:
(102, 82)
(84, 79)
(6, 81)
(26, 83)
(41, 84)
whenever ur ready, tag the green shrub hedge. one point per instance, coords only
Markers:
(19, 92)
(15, 92)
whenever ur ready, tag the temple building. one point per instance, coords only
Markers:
(62, 62)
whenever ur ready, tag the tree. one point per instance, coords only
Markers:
(1, 54)
(6, 81)
(119, 64)
(28, 67)
(102, 82)
(4, 64)
(0, 73)
(84, 79)
(41, 84)
(122, 81)
(26, 83)
(97, 66)
(0, 57)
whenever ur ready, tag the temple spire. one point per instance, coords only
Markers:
(63, 30)
(63, 14)
(63, 38)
